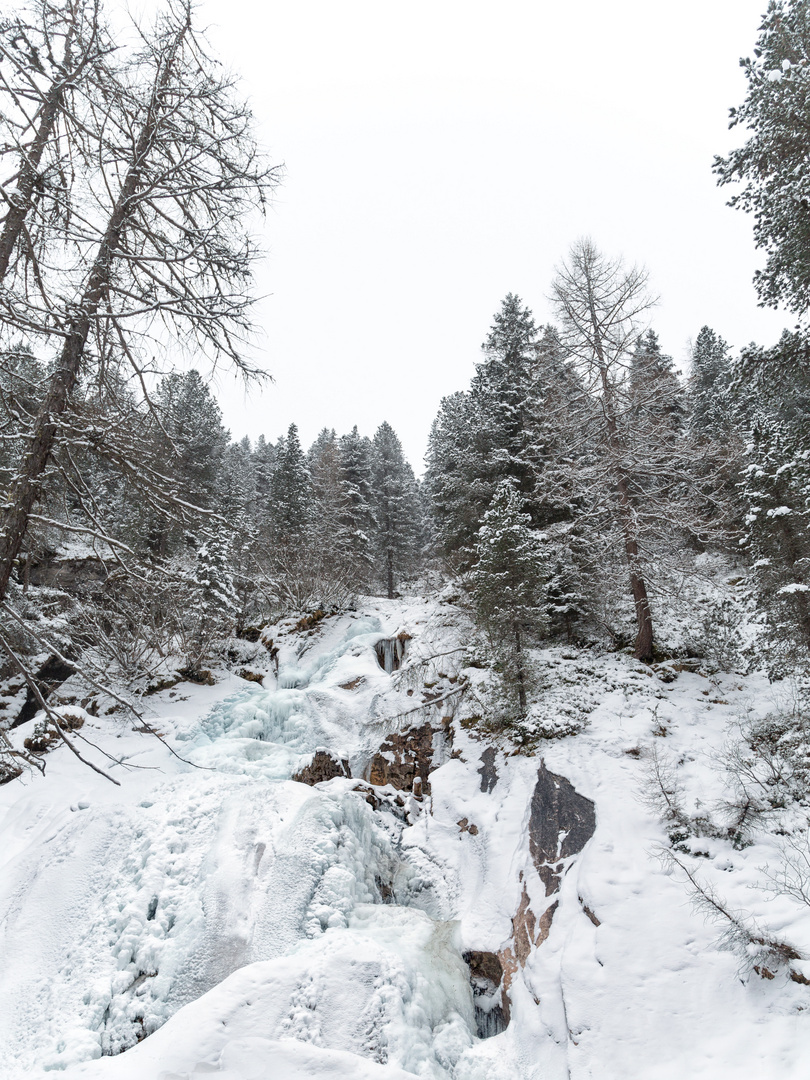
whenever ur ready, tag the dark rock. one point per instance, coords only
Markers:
(251, 676)
(391, 652)
(411, 756)
(72, 575)
(589, 913)
(9, 771)
(353, 683)
(50, 676)
(557, 810)
(488, 772)
(201, 676)
(485, 965)
(324, 766)
(491, 1006)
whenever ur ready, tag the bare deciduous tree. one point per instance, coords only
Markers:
(600, 305)
(161, 230)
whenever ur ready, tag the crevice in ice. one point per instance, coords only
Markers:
(391, 652)
(491, 1005)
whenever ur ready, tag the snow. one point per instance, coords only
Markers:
(252, 926)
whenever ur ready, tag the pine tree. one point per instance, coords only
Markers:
(291, 493)
(193, 441)
(502, 391)
(712, 412)
(324, 463)
(397, 510)
(455, 480)
(264, 459)
(212, 574)
(236, 487)
(357, 515)
(508, 426)
(777, 497)
(656, 393)
(509, 586)
(773, 163)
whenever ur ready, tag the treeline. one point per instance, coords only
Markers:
(570, 487)
(578, 478)
(201, 537)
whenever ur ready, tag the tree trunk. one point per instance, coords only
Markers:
(20, 203)
(520, 673)
(26, 488)
(791, 557)
(644, 636)
(390, 574)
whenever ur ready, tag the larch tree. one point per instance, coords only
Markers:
(55, 63)
(160, 252)
(600, 305)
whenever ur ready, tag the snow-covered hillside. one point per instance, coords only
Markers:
(497, 915)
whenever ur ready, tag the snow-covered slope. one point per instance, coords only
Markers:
(254, 926)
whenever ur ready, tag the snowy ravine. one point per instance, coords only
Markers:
(214, 916)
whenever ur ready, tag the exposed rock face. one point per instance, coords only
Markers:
(391, 652)
(405, 760)
(488, 772)
(50, 676)
(72, 575)
(324, 766)
(491, 1006)
(561, 823)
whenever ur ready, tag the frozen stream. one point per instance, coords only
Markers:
(118, 912)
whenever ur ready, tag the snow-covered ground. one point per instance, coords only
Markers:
(253, 926)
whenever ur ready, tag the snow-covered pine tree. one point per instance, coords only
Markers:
(452, 476)
(324, 463)
(197, 442)
(213, 579)
(291, 494)
(264, 459)
(504, 395)
(777, 497)
(211, 606)
(656, 393)
(397, 509)
(190, 444)
(357, 516)
(509, 590)
(237, 481)
(508, 426)
(772, 164)
(710, 401)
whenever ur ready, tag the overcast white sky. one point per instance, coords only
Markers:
(441, 154)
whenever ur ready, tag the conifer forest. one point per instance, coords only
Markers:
(317, 762)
